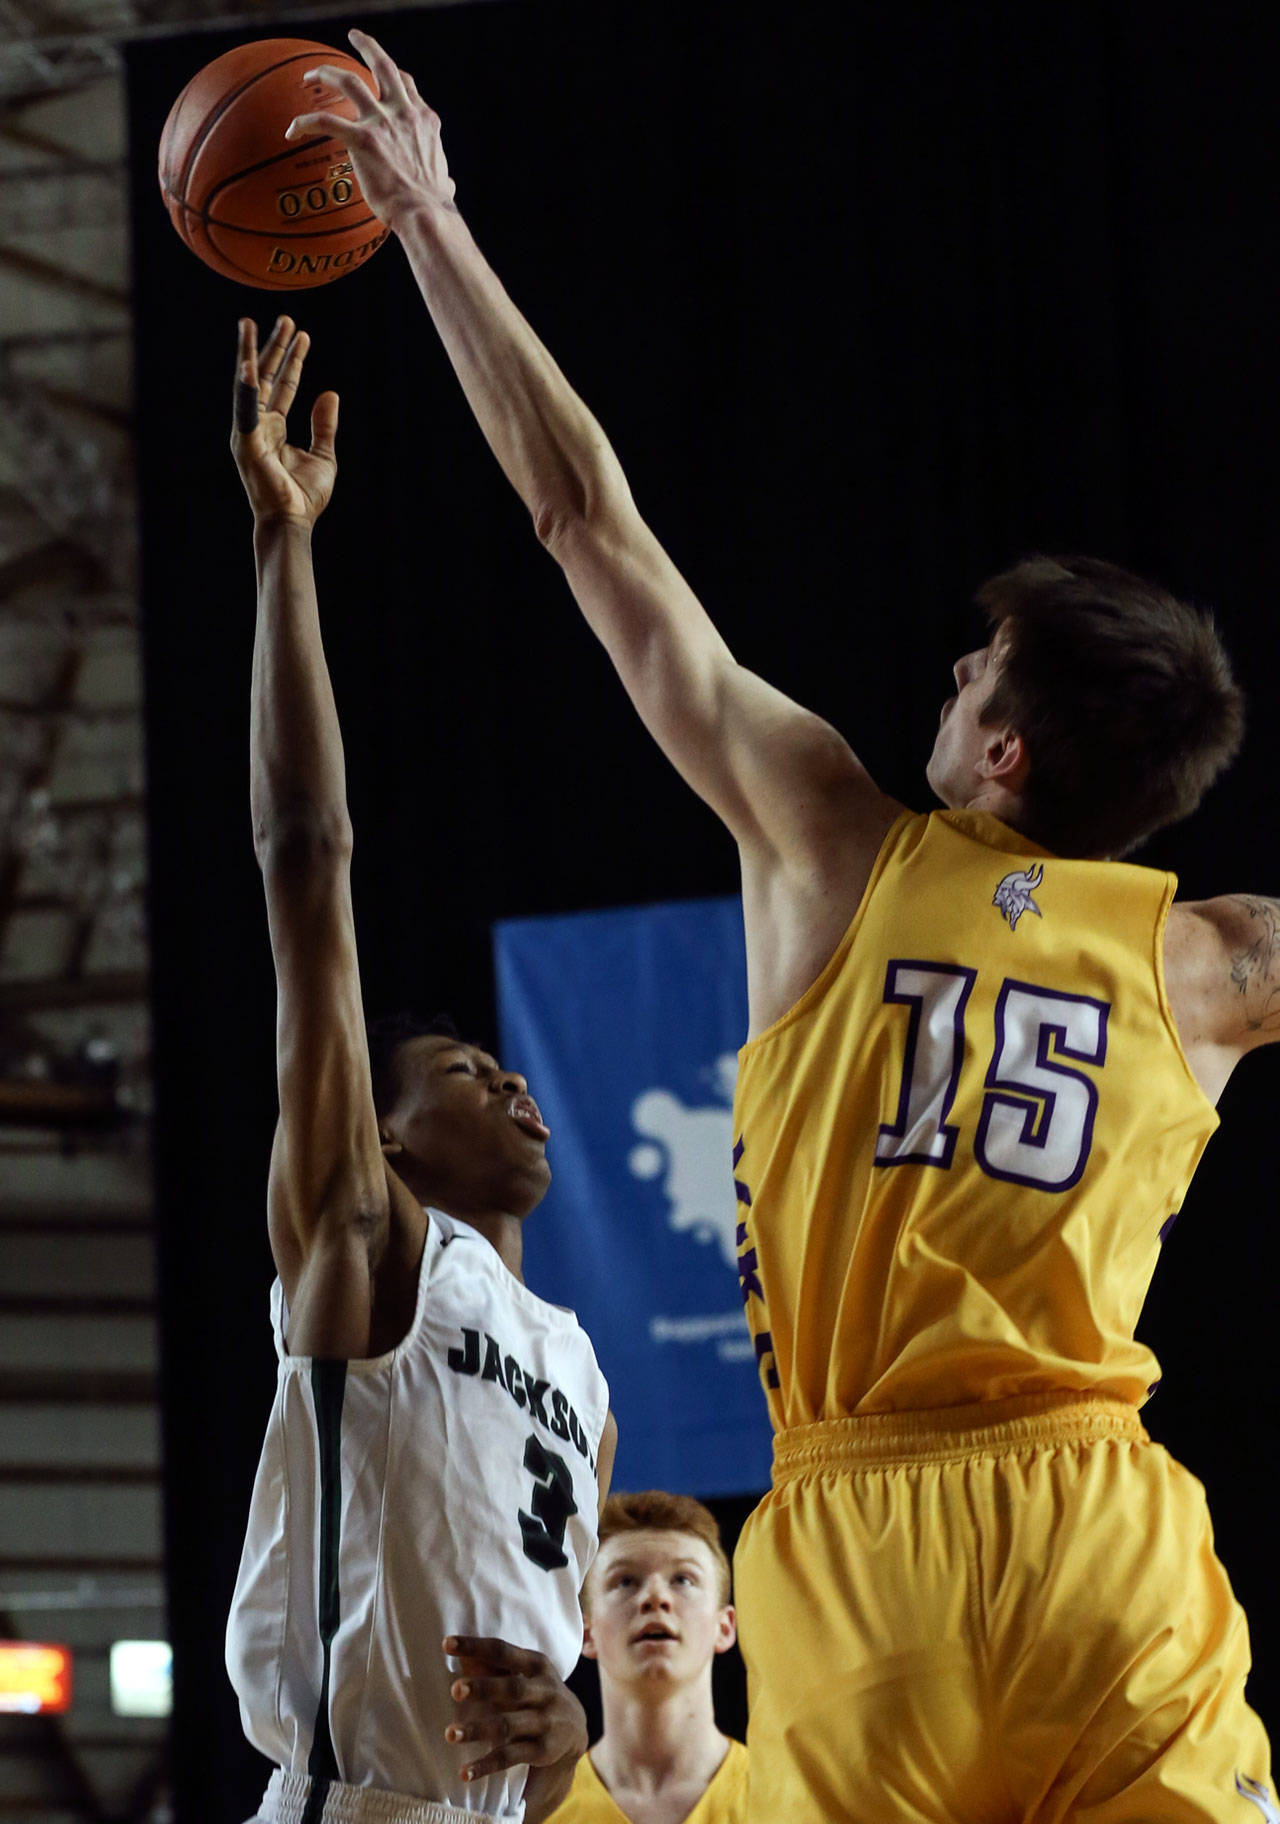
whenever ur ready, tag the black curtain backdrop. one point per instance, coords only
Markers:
(870, 305)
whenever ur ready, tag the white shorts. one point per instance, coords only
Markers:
(293, 1798)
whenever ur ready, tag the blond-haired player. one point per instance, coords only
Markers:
(983, 1060)
(658, 1611)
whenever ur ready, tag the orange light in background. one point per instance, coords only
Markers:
(34, 1677)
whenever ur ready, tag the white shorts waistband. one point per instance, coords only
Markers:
(291, 1798)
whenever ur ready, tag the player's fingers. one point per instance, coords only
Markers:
(331, 126)
(496, 1727)
(519, 1752)
(284, 388)
(503, 1729)
(347, 82)
(495, 1652)
(247, 347)
(272, 358)
(324, 426)
(389, 78)
(503, 1692)
(245, 415)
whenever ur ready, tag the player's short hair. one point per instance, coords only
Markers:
(656, 1511)
(386, 1035)
(1123, 694)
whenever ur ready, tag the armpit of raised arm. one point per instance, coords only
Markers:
(1251, 929)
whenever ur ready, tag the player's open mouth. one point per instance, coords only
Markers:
(654, 1632)
(524, 1112)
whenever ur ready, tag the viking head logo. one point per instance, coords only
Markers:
(1013, 896)
(1258, 1795)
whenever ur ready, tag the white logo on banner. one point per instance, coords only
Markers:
(692, 1147)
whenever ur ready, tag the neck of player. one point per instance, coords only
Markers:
(505, 1235)
(655, 1739)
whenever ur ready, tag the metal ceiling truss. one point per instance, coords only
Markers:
(42, 61)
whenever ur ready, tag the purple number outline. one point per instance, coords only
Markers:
(997, 1088)
(896, 1129)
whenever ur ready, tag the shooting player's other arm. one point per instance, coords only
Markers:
(328, 1203)
(1222, 970)
(330, 1193)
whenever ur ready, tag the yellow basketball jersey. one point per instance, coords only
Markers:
(959, 1152)
(723, 1802)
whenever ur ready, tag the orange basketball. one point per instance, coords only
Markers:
(256, 207)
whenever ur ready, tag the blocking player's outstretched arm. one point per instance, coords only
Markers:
(780, 777)
(330, 1195)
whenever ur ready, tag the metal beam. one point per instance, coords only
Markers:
(118, 987)
(79, 1387)
(97, 1475)
(31, 70)
(41, 63)
(62, 558)
(39, 1104)
(26, 341)
(119, 417)
(70, 1219)
(45, 272)
(64, 478)
(94, 609)
(19, 134)
(73, 196)
(37, 768)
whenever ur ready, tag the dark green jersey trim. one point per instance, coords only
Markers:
(328, 1385)
(314, 1809)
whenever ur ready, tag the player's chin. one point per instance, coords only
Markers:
(533, 1180)
(936, 776)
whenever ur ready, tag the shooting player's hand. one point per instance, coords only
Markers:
(282, 481)
(514, 1705)
(394, 140)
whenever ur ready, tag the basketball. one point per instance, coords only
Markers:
(259, 210)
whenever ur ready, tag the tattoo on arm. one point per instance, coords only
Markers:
(1255, 966)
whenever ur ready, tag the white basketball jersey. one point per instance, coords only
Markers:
(448, 1487)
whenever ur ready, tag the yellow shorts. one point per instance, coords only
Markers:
(993, 1614)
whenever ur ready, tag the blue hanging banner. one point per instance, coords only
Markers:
(627, 1025)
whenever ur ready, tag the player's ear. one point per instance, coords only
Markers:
(727, 1628)
(1005, 760)
(588, 1645)
(389, 1146)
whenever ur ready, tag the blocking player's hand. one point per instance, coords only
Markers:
(394, 140)
(512, 1704)
(283, 481)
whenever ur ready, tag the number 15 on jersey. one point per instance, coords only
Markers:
(1038, 1110)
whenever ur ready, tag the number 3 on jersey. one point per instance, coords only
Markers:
(1037, 1117)
(542, 1531)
